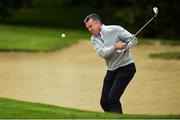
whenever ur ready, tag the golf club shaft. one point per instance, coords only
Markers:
(145, 25)
(139, 31)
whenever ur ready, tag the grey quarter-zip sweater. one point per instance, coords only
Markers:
(104, 45)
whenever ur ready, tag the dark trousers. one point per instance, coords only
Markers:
(114, 85)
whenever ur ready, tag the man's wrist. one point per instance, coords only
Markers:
(115, 47)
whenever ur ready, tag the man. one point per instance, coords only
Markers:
(106, 40)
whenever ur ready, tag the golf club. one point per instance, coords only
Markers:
(155, 10)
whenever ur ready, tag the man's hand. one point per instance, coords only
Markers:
(120, 46)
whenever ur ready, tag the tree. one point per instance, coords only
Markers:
(7, 7)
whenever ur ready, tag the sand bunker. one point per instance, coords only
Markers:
(72, 77)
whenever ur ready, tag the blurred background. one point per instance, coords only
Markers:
(131, 14)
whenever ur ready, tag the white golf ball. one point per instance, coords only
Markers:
(63, 35)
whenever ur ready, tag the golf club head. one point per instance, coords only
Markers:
(155, 9)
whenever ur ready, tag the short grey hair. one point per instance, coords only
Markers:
(94, 17)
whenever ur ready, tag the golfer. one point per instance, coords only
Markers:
(106, 40)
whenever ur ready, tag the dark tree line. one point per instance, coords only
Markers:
(131, 14)
(8, 8)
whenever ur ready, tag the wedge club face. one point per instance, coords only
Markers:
(155, 9)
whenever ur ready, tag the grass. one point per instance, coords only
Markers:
(20, 38)
(166, 55)
(149, 41)
(26, 110)
(170, 42)
(23, 38)
(145, 41)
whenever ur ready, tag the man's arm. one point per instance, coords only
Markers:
(102, 50)
(131, 42)
(127, 37)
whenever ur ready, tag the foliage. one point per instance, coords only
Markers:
(131, 14)
(8, 7)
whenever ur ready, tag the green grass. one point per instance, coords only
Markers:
(149, 41)
(18, 109)
(166, 55)
(170, 42)
(21, 38)
(146, 41)
(24, 38)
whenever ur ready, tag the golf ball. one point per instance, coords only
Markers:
(63, 35)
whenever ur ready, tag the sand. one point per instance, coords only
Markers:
(73, 77)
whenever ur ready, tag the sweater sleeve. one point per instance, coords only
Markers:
(102, 50)
(127, 37)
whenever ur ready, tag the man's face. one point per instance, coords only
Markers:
(94, 27)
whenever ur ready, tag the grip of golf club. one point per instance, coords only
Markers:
(119, 51)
